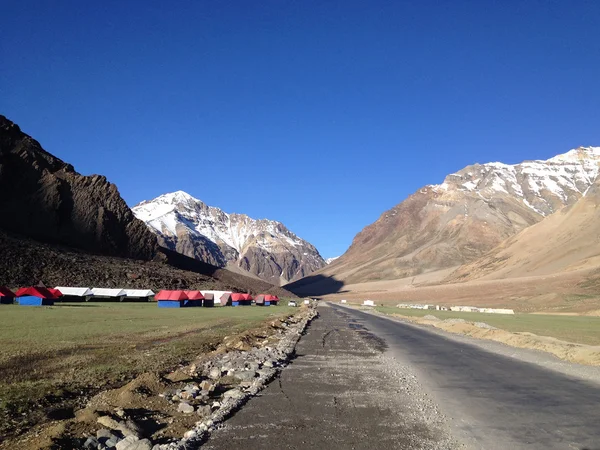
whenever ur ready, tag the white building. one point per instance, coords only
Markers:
(368, 303)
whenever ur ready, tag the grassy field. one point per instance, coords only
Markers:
(61, 350)
(580, 329)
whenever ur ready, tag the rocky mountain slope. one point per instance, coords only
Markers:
(564, 241)
(263, 248)
(458, 221)
(44, 198)
(26, 261)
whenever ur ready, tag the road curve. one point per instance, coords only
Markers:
(493, 401)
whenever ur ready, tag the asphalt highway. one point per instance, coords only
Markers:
(350, 387)
(494, 401)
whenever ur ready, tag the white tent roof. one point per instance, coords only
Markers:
(138, 292)
(74, 291)
(102, 292)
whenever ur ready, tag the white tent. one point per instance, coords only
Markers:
(138, 293)
(75, 291)
(104, 292)
(217, 294)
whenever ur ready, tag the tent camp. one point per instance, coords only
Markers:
(7, 297)
(176, 299)
(266, 300)
(75, 294)
(138, 295)
(35, 296)
(109, 295)
(236, 299)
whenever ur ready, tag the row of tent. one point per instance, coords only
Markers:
(180, 299)
(42, 296)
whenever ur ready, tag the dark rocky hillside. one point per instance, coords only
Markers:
(25, 261)
(44, 198)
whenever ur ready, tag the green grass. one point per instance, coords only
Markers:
(580, 329)
(47, 351)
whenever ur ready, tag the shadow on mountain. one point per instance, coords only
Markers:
(185, 262)
(314, 285)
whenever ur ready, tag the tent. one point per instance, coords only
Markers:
(138, 295)
(110, 295)
(35, 296)
(176, 299)
(195, 296)
(217, 295)
(236, 299)
(75, 294)
(57, 294)
(272, 299)
(266, 300)
(209, 299)
(7, 297)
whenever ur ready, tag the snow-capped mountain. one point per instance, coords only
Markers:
(542, 186)
(472, 211)
(264, 248)
(330, 260)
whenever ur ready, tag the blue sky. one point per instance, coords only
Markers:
(319, 114)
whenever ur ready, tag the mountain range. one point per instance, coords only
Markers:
(262, 248)
(460, 220)
(61, 227)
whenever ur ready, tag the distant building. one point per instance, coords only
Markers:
(368, 303)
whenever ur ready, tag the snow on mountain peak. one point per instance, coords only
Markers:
(178, 217)
(542, 186)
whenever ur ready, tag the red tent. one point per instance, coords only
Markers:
(171, 295)
(35, 291)
(6, 292)
(271, 298)
(248, 297)
(194, 295)
(238, 297)
(55, 292)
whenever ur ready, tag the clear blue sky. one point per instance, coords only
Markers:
(320, 114)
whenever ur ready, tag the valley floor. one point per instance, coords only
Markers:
(52, 359)
(570, 292)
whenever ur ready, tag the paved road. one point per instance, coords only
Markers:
(496, 402)
(351, 387)
(340, 392)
